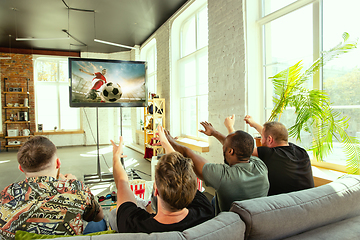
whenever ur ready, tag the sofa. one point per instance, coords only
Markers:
(331, 211)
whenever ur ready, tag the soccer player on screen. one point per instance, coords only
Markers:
(97, 82)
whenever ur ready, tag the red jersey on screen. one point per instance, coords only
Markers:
(98, 81)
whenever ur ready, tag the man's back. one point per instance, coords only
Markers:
(44, 205)
(289, 168)
(239, 182)
(131, 218)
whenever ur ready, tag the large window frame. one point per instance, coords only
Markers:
(60, 110)
(256, 43)
(189, 47)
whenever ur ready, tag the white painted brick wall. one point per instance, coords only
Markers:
(226, 56)
(163, 66)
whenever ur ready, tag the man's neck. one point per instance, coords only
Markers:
(166, 217)
(39, 174)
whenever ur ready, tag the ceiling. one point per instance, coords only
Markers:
(126, 22)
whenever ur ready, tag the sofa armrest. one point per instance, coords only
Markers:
(284, 215)
(226, 225)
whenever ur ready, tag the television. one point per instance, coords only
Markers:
(107, 83)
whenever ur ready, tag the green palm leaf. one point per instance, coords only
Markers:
(313, 108)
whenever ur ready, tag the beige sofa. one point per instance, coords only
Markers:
(331, 211)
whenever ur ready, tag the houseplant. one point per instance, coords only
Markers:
(313, 111)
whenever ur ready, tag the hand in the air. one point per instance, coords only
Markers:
(209, 129)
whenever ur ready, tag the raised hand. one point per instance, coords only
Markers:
(209, 129)
(249, 120)
(118, 149)
(229, 123)
(164, 140)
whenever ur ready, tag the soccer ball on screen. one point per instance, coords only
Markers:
(111, 92)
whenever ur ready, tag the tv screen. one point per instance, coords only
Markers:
(107, 83)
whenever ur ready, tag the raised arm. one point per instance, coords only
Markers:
(164, 141)
(124, 193)
(198, 161)
(88, 73)
(210, 131)
(249, 120)
(229, 123)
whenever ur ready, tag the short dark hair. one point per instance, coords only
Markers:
(277, 130)
(242, 143)
(35, 154)
(175, 180)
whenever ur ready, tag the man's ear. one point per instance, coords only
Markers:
(58, 163)
(20, 168)
(231, 151)
(156, 191)
(270, 140)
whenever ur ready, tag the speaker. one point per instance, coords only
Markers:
(23, 116)
(15, 89)
(40, 127)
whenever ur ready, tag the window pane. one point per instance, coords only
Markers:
(151, 84)
(202, 36)
(271, 6)
(203, 73)
(283, 50)
(64, 71)
(47, 71)
(342, 75)
(203, 113)
(188, 43)
(150, 58)
(188, 116)
(188, 77)
(69, 117)
(47, 106)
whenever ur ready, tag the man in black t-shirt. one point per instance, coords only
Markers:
(288, 164)
(179, 205)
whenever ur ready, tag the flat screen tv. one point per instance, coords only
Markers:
(107, 83)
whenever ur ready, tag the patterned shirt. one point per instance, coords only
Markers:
(44, 205)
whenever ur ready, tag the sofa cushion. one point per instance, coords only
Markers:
(288, 214)
(226, 225)
(347, 229)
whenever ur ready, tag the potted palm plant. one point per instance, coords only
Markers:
(313, 110)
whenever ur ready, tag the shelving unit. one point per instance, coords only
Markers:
(154, 115)
(12, 118)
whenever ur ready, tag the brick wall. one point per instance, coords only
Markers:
(226, 69)
(17, 70)
(163, 67)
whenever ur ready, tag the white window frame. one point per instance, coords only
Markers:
(255, 42)
(176, 56)
(57, 84)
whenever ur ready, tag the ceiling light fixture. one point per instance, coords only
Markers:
(40, 39)
(114, 44)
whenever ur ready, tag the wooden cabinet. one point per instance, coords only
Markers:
(17, 114)
(154, 115)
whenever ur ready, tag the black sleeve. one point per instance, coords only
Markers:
(129, 217)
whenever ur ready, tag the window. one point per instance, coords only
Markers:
(151, 68)
(192, 67)
(300, 30)
(52, 95)
(148, 54)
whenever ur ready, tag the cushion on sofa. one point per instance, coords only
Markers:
(226, 225)
(285, 215)
(347, 229)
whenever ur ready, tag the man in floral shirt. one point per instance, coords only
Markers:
(46, 202)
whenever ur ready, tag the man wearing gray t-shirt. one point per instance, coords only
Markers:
(241, 176)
